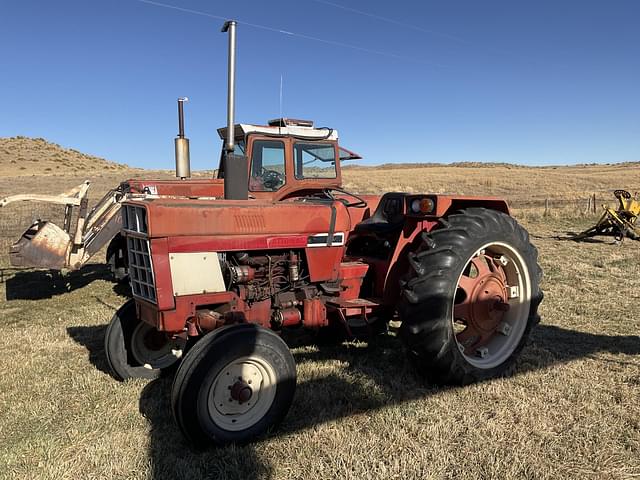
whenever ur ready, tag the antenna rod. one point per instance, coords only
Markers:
(230, 26)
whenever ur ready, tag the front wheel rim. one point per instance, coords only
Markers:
(154, 349)
(491, 305)
(242, 393)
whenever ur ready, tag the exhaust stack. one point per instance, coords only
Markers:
(236, 174)
(183, 161)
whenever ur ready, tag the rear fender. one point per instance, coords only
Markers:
(448, 206)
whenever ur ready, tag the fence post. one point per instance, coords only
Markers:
(594, 203)
(588, 210)
(546, 207)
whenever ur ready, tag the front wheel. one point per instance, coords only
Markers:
(135, 349)
(233, 385)
(471, 298)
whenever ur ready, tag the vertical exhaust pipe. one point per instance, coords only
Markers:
(183, 161)
(230, 27)
(236, 174)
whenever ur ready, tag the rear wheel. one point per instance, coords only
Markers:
(234, 385)
(135, 349)
(471, 298)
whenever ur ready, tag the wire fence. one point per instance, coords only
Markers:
(16, 218)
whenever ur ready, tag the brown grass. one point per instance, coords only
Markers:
(518, 184)
(570, 411)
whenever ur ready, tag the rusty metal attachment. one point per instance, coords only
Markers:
(44, 244)
(47, 245)
(620, 223)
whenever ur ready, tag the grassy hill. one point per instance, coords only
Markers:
(23, 156)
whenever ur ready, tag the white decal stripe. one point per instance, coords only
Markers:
(320, 240)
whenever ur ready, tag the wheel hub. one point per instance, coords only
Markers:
(241, 391)
(482, 302)
(488, 303)
(154, 340)
(154, 349)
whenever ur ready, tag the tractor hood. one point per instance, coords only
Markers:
(179, 217)
(207, 187)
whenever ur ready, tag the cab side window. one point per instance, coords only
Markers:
(267, 166)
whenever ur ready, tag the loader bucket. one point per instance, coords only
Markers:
(43, 245)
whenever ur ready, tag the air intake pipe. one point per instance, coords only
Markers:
(236, 172)
(183, 162)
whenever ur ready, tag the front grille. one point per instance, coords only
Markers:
(141, 269)
(134, 219)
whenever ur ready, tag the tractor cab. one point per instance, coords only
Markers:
(287, 157)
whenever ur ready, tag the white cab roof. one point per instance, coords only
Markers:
(242, 129)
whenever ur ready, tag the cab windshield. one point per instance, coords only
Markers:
(314, 160)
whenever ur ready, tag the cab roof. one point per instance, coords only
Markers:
(295, 130)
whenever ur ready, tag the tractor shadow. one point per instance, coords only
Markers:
(91, 338)
(386, 377)
(383, 377)
(41, 284)
(172, 457)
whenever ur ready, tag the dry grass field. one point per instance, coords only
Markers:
(570, 411)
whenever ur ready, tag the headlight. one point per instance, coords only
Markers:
(422, 205)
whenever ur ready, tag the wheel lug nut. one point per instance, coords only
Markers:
(482, 352)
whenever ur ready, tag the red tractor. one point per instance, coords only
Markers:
(274, 242)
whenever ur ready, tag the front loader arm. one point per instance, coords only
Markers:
(72, 197)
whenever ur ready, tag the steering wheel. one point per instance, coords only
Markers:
(360, 203)
(620, 194)
(271, 179)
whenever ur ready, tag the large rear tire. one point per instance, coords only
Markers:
(135, 349)
(471, 297)
(233, 385)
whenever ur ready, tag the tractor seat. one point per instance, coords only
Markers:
(388, 217)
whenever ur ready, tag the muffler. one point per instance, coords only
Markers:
(183, 161)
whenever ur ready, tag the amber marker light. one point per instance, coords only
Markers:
(422, 205)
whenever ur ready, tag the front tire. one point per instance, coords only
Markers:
(135, 349)
(233, 386)
(471, 298)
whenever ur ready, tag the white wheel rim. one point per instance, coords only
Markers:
(227, 408)
(149, 350)
(501, 346)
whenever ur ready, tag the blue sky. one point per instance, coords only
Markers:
(545, 82)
